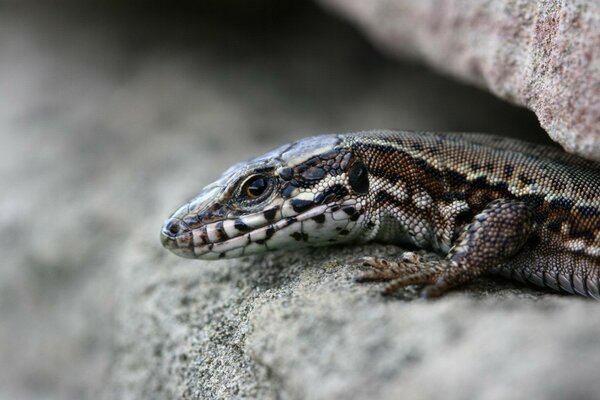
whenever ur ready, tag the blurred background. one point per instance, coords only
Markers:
(114, 113)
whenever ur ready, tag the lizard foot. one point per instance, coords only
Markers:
(411, 269)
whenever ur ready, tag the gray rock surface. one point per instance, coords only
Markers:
(544, 55)
(109, 121)
(296, 326)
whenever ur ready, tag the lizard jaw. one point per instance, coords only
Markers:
(251, 234)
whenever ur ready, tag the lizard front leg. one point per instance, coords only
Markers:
(493, 236)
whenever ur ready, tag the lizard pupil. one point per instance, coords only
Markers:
(255, 186)
(359, 178)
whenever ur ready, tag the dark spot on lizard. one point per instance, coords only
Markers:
(479, 183)
(554, 226)
(534, 240)
(301, 205)
(324, 197)
(358, 178)
(508, 171)
(270, 213)
(421, 164)
(525, 180)
(588, 211)
(455, 178)
(319, 198)
(580, 233)
(270, 232)
(334, 192)
(382, 173)
(240, 225)
(352, 212)
(383, 197)
(501, 186)
(299, 236)
(349, 210)
(561, 203)
(288, 190)
(220, 231)
(452, 196)
(319, 218)
(535, 200)
(540, 216)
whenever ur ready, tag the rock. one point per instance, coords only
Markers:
(295, 325)
(544, 55)
(115, 119)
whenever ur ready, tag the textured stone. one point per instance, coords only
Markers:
(544, 55)
(111, 121)
(296, 326)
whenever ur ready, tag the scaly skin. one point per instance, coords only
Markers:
(482, 203)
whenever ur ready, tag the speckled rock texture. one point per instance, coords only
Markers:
(108, 121)
(544, 55)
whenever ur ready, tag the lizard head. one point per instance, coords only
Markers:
(308, 193)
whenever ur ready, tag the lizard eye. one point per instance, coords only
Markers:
(255, 186)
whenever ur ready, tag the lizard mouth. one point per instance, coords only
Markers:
(174, 235)
(266, 230)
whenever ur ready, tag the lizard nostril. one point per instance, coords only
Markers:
(173, 227)
(175, 233)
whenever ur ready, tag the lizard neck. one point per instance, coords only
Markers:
(409, 201)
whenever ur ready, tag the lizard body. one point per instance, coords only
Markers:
(483, 203)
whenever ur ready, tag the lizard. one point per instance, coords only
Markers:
(473, 203)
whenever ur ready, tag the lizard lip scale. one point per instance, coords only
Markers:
(248, 235)
(477, 203)
(170, 237)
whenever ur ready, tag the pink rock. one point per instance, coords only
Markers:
(544, 55)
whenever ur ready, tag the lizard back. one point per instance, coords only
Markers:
(562, 189)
